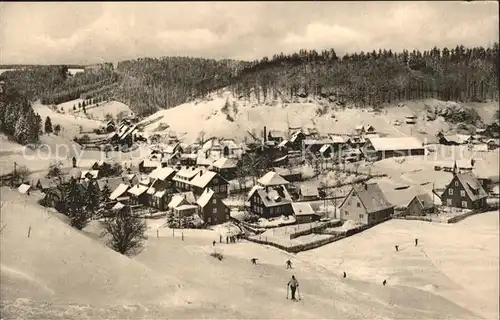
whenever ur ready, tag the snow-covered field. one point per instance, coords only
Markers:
(59, 272)
(207, 115)
(70, 124)
(99, 112)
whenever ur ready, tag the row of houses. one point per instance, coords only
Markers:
(365, 203)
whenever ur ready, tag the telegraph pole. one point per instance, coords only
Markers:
(14, 174)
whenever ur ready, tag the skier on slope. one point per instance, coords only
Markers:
(294, 285)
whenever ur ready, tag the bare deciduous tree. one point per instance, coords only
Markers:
(127, 231)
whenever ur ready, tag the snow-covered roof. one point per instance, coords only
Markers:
(185, 207)
(272, 179)
(406, 143)
(93, 173)
(371, 196)
(309, 191)
(145, 180)
(425, 200)
(179, 198)
(186, 173)
(205, 197)
(171, 148)
(225, 163)
(159, 194)
(202, 161)
(280, 158)
(276, 196)
(118, 206)
(23, 188)
(121, 189)
(176, 200)
(316, 141)
(283, 143)
(472, 186)
(203, 178)
(138, 189)
(337, 139)
(147, 163)
(252, 191)
(162, 173)
(302, 209)
(324, 148)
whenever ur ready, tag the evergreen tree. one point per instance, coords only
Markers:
(57, 129)
(92, 197)
(75, 202)
(74, 108)
(105, 193)
(48, 125)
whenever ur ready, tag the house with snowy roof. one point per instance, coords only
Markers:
(183, 204)
(161, 188)
(270, 201)
(420, 205)
(366, 204)
(464, 191)
(304, 213)
(381, 148)
(225, 167)
(296, 139)
(147, 165)
(272, 179)
(138, 195)
(183, 178)
(211, 208)
(209, 179)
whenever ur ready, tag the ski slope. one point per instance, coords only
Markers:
(59, 272)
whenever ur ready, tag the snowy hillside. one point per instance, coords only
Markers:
(70, 123)
(59, 272)
(211, 116)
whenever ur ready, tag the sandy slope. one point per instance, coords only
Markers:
(60, 270)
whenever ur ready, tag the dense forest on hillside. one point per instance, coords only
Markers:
(361, 79)
(17, 118)
(148, 84)
(458, 74)
(54, 85)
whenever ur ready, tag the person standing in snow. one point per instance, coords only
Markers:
(289, 264)
(254, 260)
(397, 248)
(416, 242)
(293, 284)
(220, 238)
(385, 282)
(214, 243)
(345, 275)
(227, 239)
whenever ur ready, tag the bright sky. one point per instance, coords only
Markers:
(56, 32)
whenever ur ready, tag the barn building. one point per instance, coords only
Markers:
(420, 205)
(381, 148)
(366, 204)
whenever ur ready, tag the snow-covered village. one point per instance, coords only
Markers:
(316, 184)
